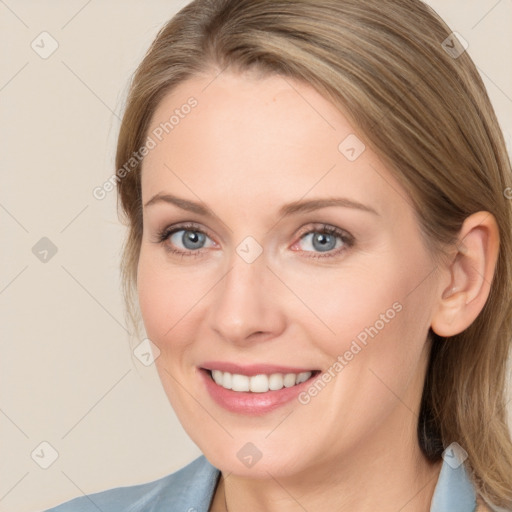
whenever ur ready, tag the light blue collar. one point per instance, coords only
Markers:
(454, 491)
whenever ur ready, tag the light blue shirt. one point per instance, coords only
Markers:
(191, 489)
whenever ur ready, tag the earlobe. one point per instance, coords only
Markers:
(464, 293)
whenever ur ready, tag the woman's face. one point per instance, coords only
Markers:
(258, 284)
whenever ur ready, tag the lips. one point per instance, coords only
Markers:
(258, 400)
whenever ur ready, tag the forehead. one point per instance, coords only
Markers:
(269, 137)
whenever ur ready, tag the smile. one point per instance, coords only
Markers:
(258, 383)
(261, 389)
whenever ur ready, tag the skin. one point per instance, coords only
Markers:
(251, 145)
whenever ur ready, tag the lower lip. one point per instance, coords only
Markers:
(251, 403)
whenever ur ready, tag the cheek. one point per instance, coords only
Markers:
(376, 296)
(153, 299)
(378, 316)
(165, 298)
(165, 295)
(162, 298)
(171, 299)
(382, 347)
(357, 303)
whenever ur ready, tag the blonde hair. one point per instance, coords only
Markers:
(425, 111)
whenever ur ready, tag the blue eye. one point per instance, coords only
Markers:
(322, 241)
(189, 239)
(327, 239)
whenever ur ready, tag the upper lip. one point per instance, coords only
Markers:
(252, 369)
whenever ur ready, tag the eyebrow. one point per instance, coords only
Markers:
(301, 206)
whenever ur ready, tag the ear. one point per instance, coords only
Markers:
(469, 273)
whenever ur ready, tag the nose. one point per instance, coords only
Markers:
(246, 304)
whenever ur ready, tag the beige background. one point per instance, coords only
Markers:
(68, 376)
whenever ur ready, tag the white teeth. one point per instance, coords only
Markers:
(258, 383)
(289, 380)
(275, 381)
(303, 377)
(239, 382)
(227, 380)
(217, 376)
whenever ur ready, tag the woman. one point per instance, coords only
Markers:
(319, 241)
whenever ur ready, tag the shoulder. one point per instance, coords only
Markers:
(189, 488)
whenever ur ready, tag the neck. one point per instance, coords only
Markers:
(371, 477)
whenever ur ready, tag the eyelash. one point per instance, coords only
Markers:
(347, 239)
